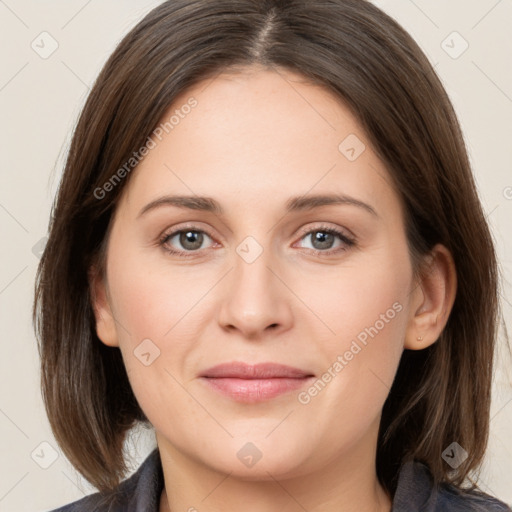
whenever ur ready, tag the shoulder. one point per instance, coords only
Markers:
(141, 491)
(416, 492)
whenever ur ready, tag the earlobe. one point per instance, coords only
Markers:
(105, 323)
(432, 300)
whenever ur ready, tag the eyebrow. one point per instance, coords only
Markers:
(294, 204)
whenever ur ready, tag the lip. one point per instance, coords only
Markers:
(247, 383)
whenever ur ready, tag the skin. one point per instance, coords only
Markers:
(255, 139)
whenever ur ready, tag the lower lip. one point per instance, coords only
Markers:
(255, 390)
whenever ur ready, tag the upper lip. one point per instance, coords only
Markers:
(243, 370)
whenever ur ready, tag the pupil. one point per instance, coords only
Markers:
(191, 239)
(324, 239)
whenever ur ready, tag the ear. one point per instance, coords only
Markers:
(432, 300)
(105, 322)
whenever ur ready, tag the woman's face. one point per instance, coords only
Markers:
(273, 273)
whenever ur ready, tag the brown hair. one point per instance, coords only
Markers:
(354, 50)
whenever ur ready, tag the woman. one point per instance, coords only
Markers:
(268, 245)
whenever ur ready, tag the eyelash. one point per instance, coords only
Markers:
(348, 241)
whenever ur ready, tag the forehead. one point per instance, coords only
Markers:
(258, 135)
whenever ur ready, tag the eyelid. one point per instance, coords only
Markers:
(175, 230)
(187, 226)
(326, 227)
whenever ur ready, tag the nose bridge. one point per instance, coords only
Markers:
(254, 298)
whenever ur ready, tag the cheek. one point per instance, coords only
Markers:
(365, 308)
(156, 319)
(161, 311)
(154, 300)
(360, 300)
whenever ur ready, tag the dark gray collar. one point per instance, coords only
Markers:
(415, 492)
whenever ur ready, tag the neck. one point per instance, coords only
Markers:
(344, 484)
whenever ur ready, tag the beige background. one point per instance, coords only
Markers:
(40, 99)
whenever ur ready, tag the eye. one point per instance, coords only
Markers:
(183, 241)
(323, 240)
(187, 242)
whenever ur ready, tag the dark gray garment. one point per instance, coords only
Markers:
(415, 493)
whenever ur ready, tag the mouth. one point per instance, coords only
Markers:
(254, 383)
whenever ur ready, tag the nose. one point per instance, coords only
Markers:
(255, 301)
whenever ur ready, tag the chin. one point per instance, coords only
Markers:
(260, 459)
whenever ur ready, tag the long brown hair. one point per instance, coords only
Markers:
(354, 50)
